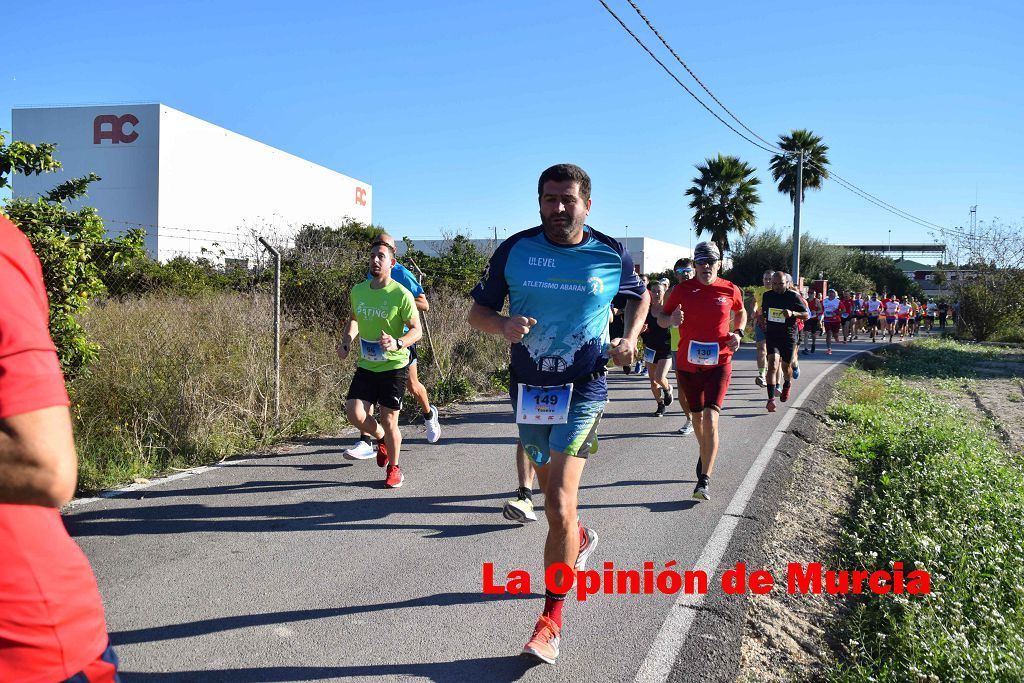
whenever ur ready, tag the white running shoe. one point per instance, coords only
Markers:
(687, 428)
(586, 550)
(359, 451)
(433, 426)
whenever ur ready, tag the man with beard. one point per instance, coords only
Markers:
(701, 309)
(782, 307)
(559, 279)
(363, 448)
(385, 318)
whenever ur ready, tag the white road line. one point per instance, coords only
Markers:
(113, 493)
(670, 639)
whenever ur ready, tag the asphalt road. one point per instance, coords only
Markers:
(301, 566)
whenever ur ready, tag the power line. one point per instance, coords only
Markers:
(679, 59)
(774, 149)
(676, 79)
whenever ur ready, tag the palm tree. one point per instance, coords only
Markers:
(724, 195)
(783, 166)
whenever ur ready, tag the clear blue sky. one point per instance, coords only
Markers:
(452, 109)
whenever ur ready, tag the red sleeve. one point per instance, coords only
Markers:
(673, 300)
(30, 375)
(737, 298)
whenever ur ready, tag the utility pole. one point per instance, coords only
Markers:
(796, 218)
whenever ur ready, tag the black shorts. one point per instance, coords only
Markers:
(661, 353)
(378, 388)
(412, 354)
(782, 344)
(872, 321)
(811, 325)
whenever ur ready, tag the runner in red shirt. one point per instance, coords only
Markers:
(51, 617)
(846, 312)
(701, 309)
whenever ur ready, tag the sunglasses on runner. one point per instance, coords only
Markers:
(684, 271)
(381, 243)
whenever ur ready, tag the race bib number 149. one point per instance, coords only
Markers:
(543, 405)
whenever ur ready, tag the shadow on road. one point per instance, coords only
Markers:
(337, 515)
(244, 487)
(510, 668)
(206, 626)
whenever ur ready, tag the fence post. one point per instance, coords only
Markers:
(426, 329)
(277, 330)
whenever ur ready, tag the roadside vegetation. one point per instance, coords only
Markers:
(183, 369)
(937, 489)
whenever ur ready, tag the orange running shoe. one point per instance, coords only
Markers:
(544, 643)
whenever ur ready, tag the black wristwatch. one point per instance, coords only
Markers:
(739, 332)
(400, 343)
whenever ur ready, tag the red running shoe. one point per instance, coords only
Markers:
(784, 396)
(770, 405)
(382, 454)
(395, 478)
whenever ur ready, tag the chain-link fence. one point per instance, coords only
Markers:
(186, 369)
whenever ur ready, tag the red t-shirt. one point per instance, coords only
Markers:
(705, 317)
(51, 615)
(846, 308)
(814, 308)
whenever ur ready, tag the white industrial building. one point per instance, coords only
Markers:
(195, 188)
(649, 255)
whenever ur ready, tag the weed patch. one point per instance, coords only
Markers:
(937, 491)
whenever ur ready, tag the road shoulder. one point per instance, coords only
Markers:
(720, 640)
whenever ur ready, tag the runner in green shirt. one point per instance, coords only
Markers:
(381, 311)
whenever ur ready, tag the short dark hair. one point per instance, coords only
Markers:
(682, 262)
(563, 172)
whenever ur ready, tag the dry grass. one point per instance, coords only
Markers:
(187, 380)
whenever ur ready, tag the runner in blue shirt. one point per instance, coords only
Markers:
(559, 279)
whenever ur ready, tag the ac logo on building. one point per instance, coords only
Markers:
(361, 196)
(110, 127)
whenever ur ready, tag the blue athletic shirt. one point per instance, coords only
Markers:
(568, 290)
(402, 276)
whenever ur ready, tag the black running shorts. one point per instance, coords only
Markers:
(378, 388)
(782, 344)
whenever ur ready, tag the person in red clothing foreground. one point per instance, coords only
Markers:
(702, 308)
(52, 625)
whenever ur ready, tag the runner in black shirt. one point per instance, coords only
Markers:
(781, 307)
(657, 350)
